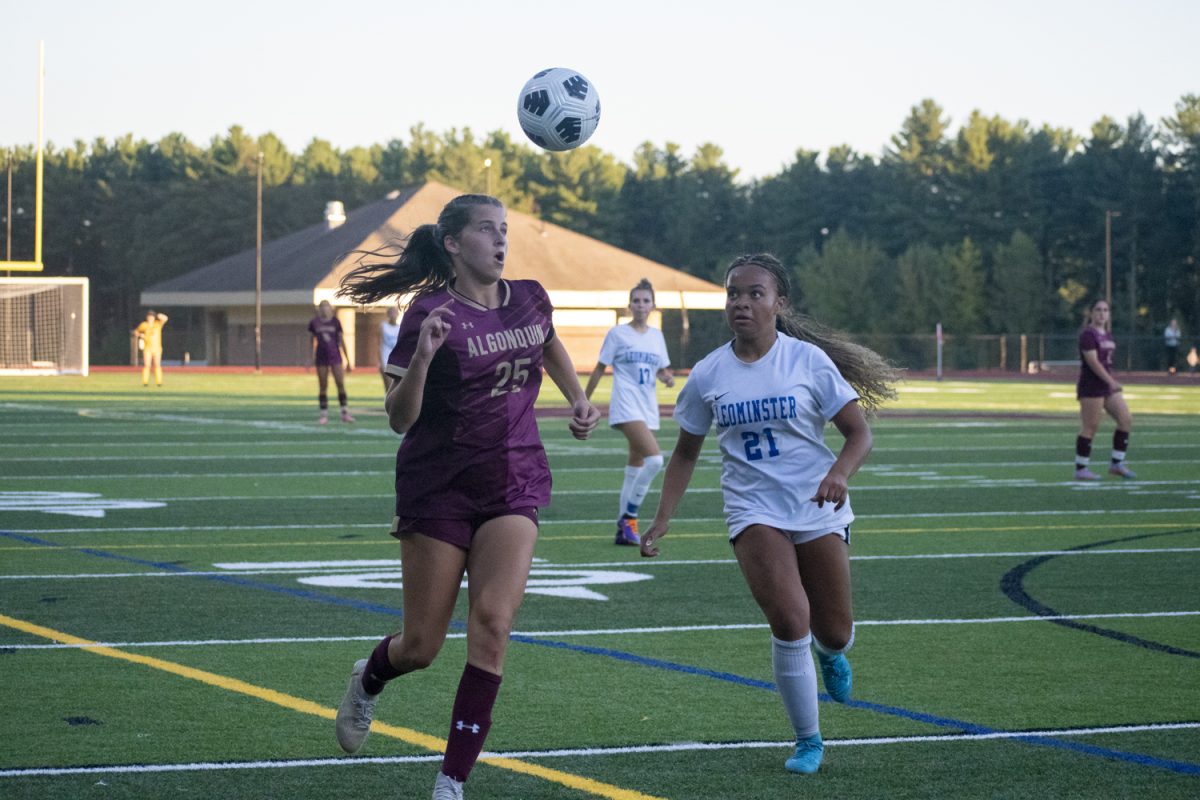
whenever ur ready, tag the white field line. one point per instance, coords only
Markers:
(601, 521)
(583, 632)
(311, 441)
(713, 463)
(375, 565)
(584, 752)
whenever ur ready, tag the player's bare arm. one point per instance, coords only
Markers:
(404, 398)
(594, 379)
(852, 424)
(667, 377)
(557, 363)
(678, 475)
(1092, 358)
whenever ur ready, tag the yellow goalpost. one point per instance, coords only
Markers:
(36, 264)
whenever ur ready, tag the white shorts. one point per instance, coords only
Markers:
(802, 537)
(633, 406)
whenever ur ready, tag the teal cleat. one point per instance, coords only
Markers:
(836, 673)
(807, 758)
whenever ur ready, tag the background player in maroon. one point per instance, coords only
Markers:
(328, 348)
(471, 472)
(1098, 391)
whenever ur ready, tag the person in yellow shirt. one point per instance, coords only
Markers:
(149, 338)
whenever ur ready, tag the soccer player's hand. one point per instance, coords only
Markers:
(668, 378)
(833, 489)
(434, 330)
(584, 418)
(650, 539)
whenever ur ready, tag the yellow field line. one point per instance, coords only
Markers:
(308, 707)
(863, 528)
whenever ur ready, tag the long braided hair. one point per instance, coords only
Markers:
(871, 375)
(421, 266)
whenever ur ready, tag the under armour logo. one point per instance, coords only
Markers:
(468, 325)
(462, 726)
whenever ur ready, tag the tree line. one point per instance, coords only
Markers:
(997, 227)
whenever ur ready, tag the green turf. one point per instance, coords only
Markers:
(969, 524)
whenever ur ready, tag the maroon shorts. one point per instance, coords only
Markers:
(458, 532)
(1092, 387)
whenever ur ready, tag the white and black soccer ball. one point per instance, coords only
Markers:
(558, 109)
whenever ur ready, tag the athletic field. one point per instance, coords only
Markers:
(187, 575)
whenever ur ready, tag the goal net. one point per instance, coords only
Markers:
(43, 326)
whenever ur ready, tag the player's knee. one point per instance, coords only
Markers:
(419, 652)
(490, 629)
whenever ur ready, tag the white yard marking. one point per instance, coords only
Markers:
(585, 752)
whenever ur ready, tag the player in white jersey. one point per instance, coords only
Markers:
(638, 356)
(770, 393)
(389, 334)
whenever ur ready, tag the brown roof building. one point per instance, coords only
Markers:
(588, 282)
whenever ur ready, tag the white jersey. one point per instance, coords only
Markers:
(636, 359)
(770, 417)
(389, 334)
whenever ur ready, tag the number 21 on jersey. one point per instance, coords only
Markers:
(754, 444)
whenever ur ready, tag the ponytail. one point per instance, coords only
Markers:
(422, 265)
(871, 375)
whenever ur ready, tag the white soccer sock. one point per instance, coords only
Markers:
(631, 474)
(796, 679)
(829, 651)
(641, 484)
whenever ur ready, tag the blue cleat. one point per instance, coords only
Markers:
(836, 673)
(627, 532)
(807, 758)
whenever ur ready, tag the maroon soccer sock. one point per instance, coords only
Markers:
(1120, 445)
(342, 399)
(323, 401)
(1083, 451)
(379, 669)
(470, 721)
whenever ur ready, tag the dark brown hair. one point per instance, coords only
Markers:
(644, 286)
(421, 266)
(871, 375)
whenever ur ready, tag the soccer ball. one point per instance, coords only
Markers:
(558, 109)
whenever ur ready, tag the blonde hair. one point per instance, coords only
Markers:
(871, 375)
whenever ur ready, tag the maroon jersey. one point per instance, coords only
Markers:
(475, 447)
(1090, 384)
(328, 333)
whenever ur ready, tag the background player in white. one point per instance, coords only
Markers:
(770, 393)
(389, 332)
(638, 355)
(471, 472)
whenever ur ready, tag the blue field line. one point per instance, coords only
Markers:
(620, 655)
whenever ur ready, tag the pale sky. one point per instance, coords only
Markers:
(759, 78)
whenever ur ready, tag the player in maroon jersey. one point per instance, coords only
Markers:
(1098, 391)
(329, 345)
(471, 472)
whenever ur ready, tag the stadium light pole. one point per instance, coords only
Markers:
(8, 212)
(1108, 218)
(258, 270)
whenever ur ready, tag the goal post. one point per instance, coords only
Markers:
(43, 326)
